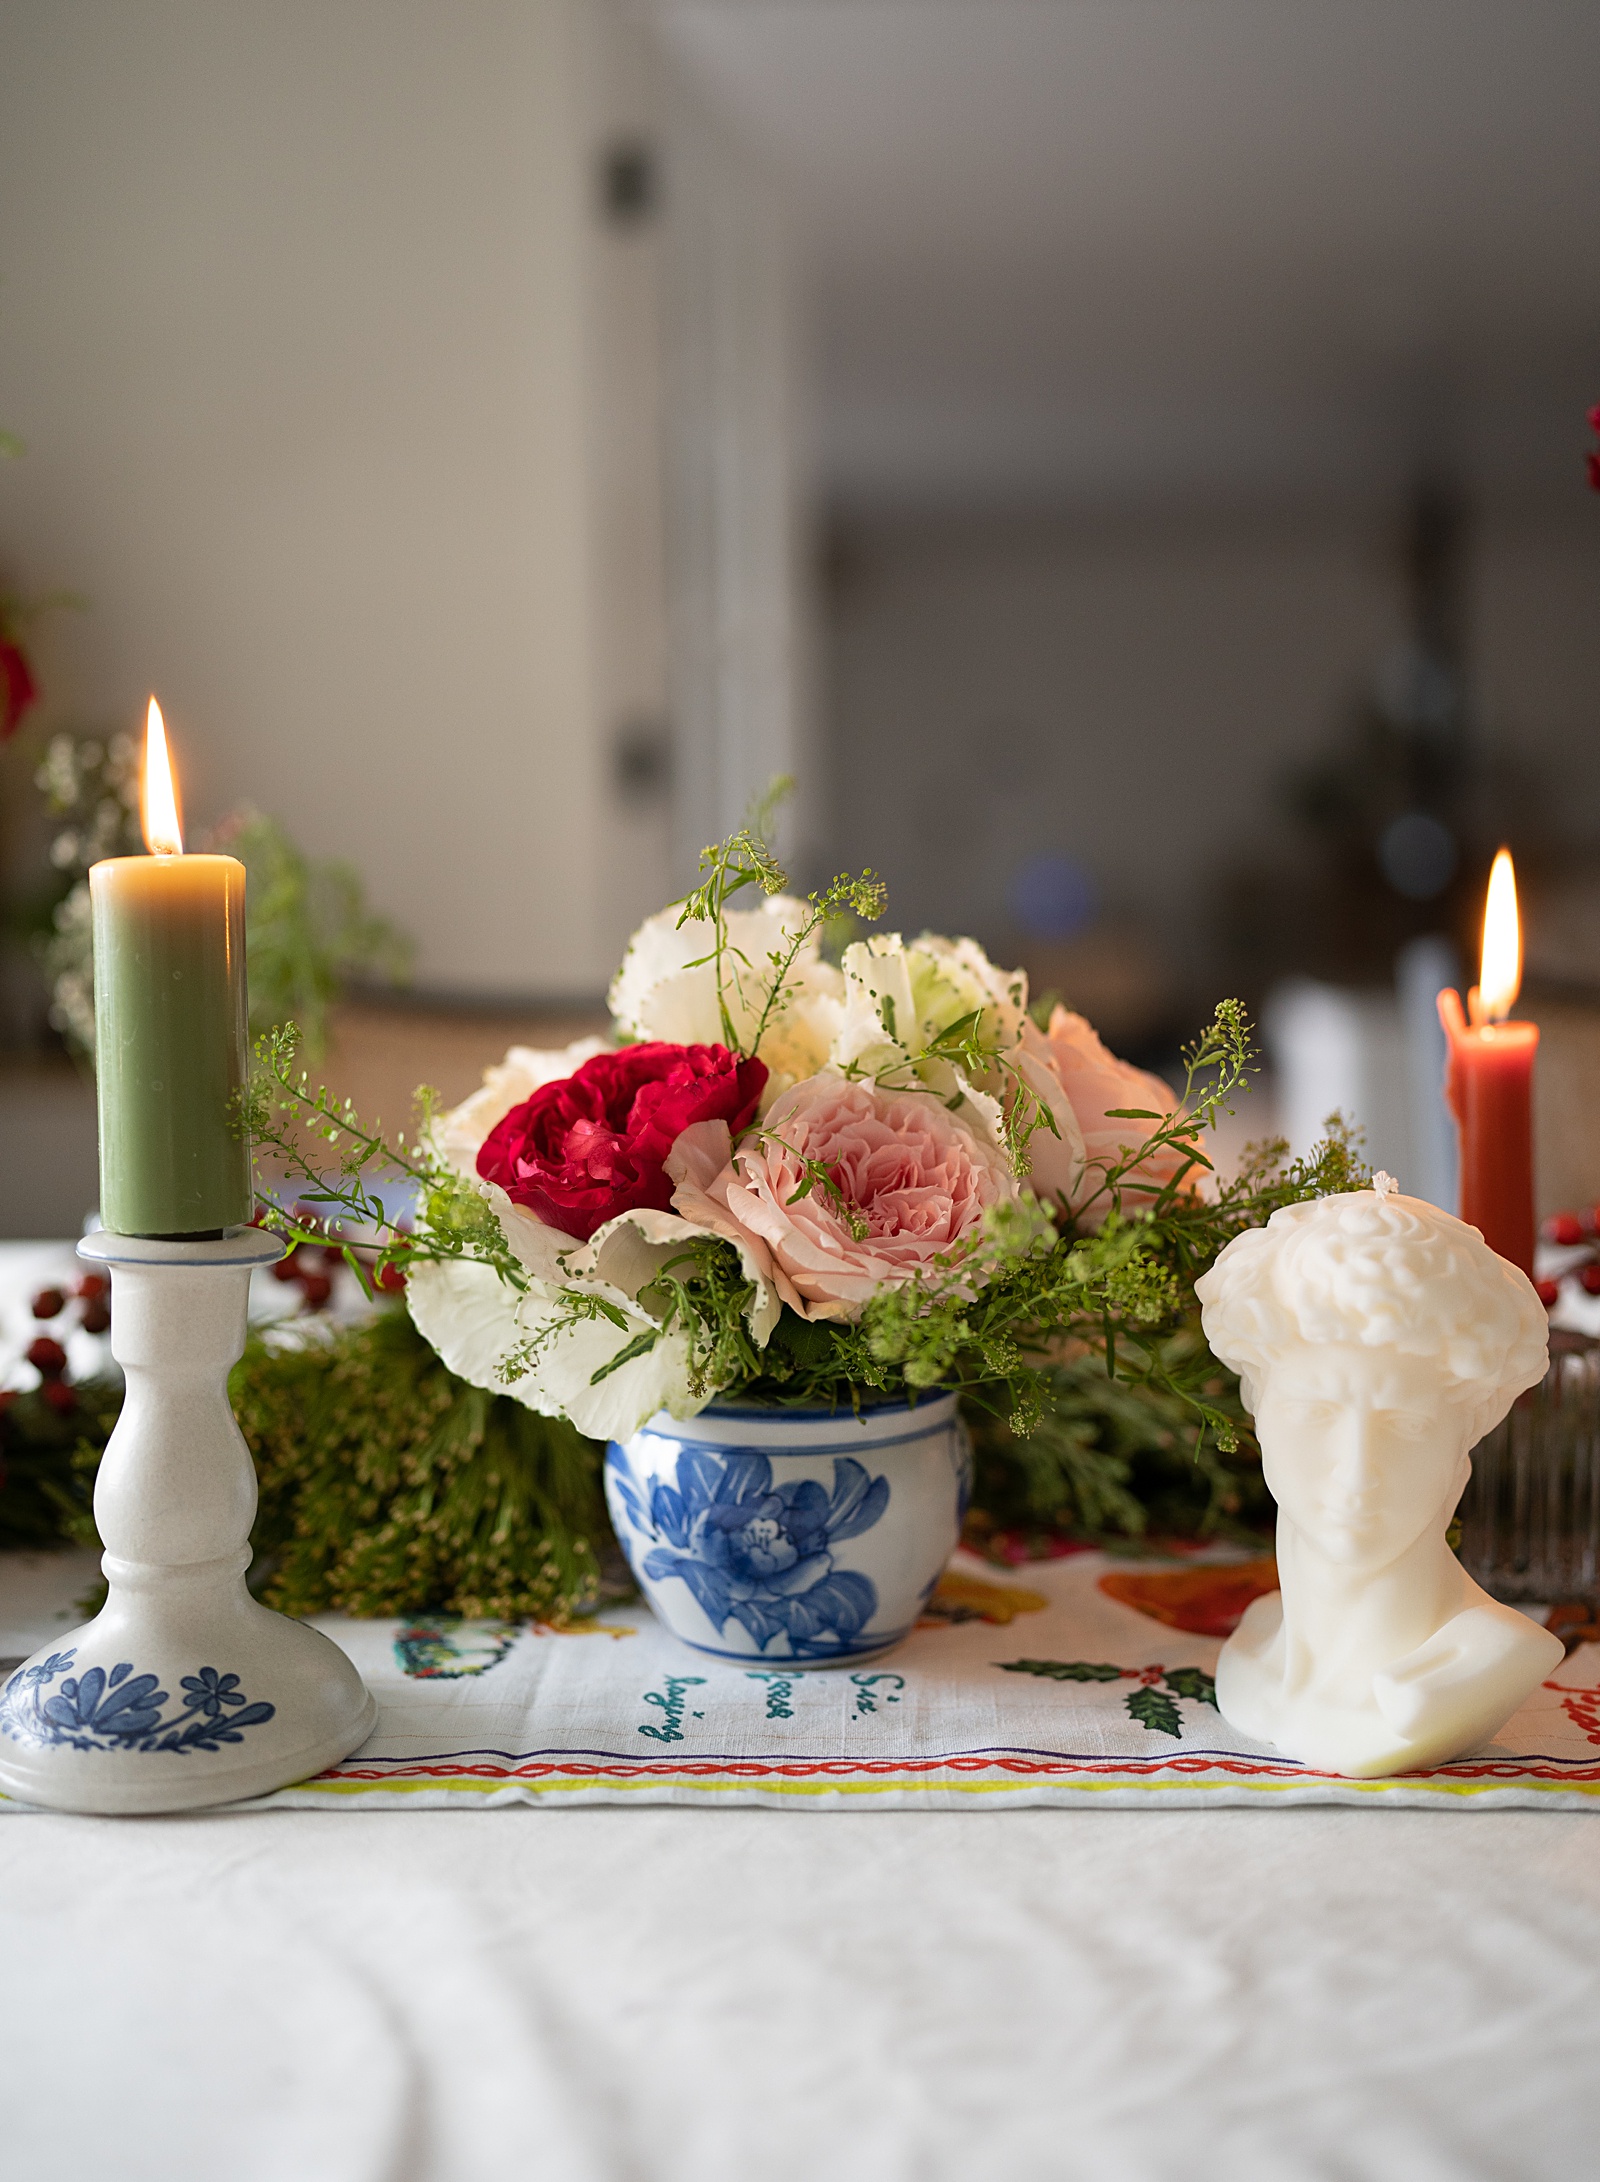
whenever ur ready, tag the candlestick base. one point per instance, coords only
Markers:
(184, 1690)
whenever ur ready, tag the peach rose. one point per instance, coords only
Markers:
(1071, 1056)
(914, 1182)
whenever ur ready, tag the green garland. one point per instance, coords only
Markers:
(1111, 1462)
(44, 1500)
(389, 1486)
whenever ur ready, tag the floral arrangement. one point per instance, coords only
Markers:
(786, 1176)
(795, 1180)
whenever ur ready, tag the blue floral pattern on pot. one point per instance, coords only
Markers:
(760, 1554)
(121, 1710)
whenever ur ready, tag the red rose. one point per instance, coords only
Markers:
(594, 1144)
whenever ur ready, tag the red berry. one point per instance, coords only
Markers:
(60, 1396)
(288, 1266)
(96, 1318)
(92, 1286)
(1590, 1277)
(48, 1357)
(316, 1288)
(1548, 1292)
(333, 1256)
(48, 1303)
(1566, 1228)
(389, 1279)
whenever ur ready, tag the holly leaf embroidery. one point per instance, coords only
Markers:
(1064, 1670)
(1191, 1682)
(1154, 1709)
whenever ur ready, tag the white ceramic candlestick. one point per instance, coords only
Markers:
(183, 1690)
(1377, 1339)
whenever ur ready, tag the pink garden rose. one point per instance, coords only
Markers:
(1071, 1056)
(911, 1175)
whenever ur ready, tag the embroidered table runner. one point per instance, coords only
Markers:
(1084, 1681)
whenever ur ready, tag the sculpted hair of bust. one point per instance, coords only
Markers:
(1377, 1339)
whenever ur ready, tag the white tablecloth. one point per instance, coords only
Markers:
(434, 1997)
(293, 1996)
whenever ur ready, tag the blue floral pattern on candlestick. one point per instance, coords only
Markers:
(121, 1710)
(759, 1554)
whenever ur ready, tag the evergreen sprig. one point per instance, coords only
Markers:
(747, 859)
(297, 1125)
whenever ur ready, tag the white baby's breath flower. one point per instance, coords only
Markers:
(58, 773)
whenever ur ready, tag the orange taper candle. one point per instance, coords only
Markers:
(1489, 1082)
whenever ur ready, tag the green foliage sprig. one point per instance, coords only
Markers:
(308, 930)
(744, 860)
(42, 1493)
(335, 1167)
(388, 1485)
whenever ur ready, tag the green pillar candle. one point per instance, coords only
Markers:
(171, 1027)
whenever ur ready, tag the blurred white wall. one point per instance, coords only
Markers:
(1112, 688)
(738, 489)
(350, 412)
(1128, 689)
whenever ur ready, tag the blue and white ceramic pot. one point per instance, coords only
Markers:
(811, 1534)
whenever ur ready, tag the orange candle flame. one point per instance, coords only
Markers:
(1500, 977)
(158, 791)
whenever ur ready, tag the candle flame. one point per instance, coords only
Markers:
(158, 793)
(1501, 974)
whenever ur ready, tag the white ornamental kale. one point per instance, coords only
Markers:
(579, 1340)
(667, 987)
(902, 998)
(920, 1012)
(548, 1351)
